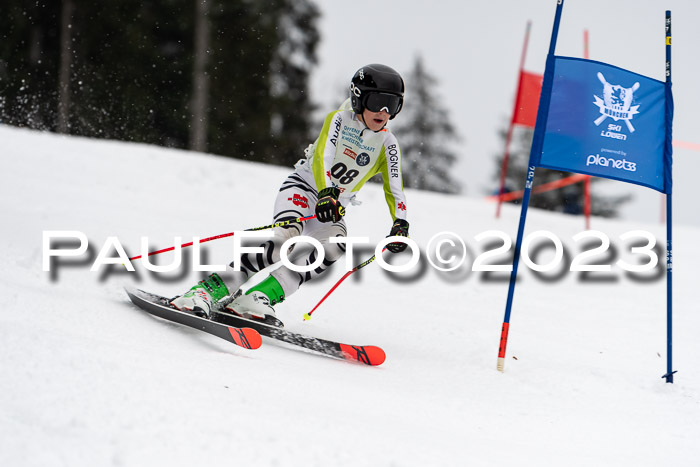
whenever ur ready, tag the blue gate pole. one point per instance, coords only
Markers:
(668, 149)
(536, 148)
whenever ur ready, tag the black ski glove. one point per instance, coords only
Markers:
(399, 229)
(328, 208)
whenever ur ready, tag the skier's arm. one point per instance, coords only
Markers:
(393, 179)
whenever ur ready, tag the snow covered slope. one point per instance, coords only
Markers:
(87, 379)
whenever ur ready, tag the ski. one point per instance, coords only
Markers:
(160, 306)
(227, 325)
(367, 354)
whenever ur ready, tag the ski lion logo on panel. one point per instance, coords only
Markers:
(616, 103)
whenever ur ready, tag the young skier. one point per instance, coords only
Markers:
(354, 145)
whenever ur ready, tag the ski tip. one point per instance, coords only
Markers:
(367, 354)
(377, 355)
(246, 337)
(131, 292)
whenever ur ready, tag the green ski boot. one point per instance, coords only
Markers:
(200, 299)
(257, 302)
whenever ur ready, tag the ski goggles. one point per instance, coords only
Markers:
(378, 101)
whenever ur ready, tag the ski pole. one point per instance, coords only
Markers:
(307, 316)
(281, 224)
(216, 237)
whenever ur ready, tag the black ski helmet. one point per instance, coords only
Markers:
(377, 87)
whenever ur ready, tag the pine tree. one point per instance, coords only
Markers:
(262, 54)
(199, 102)
(29, 63)
(291, 128)
(568, 199)
(131, 73)
(424, 131)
